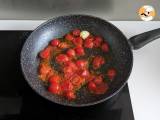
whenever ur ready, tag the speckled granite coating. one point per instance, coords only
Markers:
(57, 27)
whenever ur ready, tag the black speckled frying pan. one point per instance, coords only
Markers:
(58, 27)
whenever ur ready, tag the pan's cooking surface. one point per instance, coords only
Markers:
(122, 55)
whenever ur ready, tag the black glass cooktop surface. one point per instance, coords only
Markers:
(18, 101)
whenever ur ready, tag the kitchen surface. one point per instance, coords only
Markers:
(45, 9)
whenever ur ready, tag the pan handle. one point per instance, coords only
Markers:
(142, 39)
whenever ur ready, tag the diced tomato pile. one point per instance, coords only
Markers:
(75, 69)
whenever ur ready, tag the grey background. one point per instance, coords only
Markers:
(45, 9)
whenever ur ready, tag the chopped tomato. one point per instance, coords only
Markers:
(91, 77)
(101, 88)
(92, 86)
(70, 95)
(71, 53)
(88, 42)
(97, 41)
(63, 45)
(69, 37)
(98, 61)
(71, 65)
(105, 47)
(45, 54)
(78, 41)
(54, 88)
(76, 32)
(55, 42)
(79, 51)
(68, 75)
(82, 64)
(111, 73)
(98, 80)
(66, 86)
(68, 70)
(54, 79)
(61, 58)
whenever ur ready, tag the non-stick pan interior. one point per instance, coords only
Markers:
(55, 28)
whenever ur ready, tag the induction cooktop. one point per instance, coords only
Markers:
(18, 101)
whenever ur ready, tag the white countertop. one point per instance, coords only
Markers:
(144, 82)
(45, 9)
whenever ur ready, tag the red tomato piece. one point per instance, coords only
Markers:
(71, 53)
(54, 79)
(54, 88)
(82, 64)
(90, 37)
(79, 51)
(78, 41)
(76, 32)
(55, 42)
(69, 37)
(68, 76)
(91, 77)
(92, 86)
(98, 61)
(98, 80)
(70, 95)
(68, 70)
(97, 41)
(71, 65)
(61, 58)
(101, 88)
(105, 47)
(45, 54)
(89, 42)
(66, 86)
(111, 73)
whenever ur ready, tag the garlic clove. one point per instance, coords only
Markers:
(84, 34)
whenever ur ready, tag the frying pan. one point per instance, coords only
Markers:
(57, 27)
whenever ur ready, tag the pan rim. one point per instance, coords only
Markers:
(85, 104)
